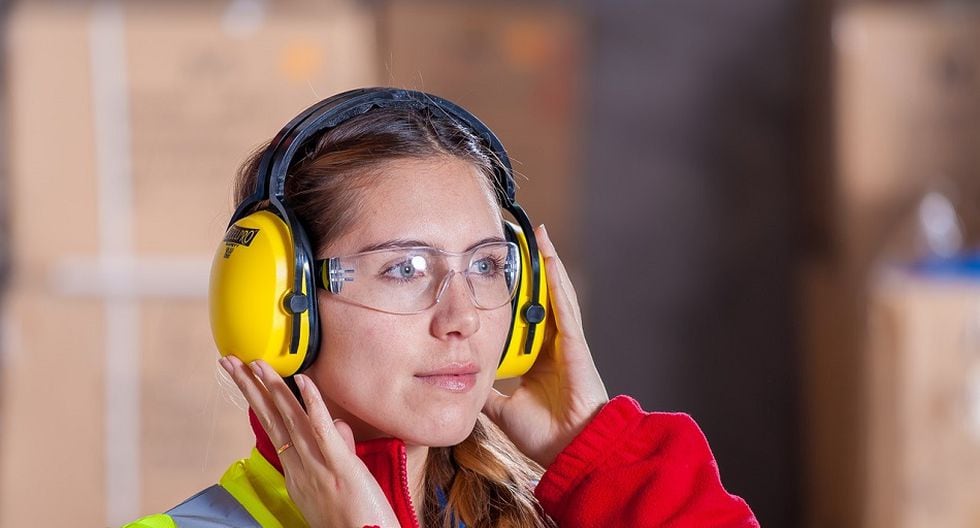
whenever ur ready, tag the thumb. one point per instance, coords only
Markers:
(346, 433)
(494, 406)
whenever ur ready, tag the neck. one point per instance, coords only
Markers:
(416, 456)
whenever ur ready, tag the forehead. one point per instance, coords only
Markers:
(444, 202)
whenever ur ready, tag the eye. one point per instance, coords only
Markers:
(407, 270)
(487, 266)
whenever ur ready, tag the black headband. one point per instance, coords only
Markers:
(331, 112)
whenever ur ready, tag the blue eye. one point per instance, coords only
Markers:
(407, 270)
(488, 266)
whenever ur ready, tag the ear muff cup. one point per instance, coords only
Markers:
(251, 300)
(518, 356)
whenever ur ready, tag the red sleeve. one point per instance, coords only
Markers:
(633, 468)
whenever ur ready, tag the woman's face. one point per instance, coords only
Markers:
(374, 368)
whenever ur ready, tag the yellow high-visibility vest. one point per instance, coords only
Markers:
(251, 494)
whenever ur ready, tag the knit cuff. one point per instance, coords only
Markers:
(615, 421)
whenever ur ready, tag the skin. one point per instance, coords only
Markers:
(364, 383)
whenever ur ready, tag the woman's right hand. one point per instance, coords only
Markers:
(326, 480)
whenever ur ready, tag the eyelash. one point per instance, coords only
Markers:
(385, 272)
(498, 266)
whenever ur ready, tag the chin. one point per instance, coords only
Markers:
(441, 433)
(442, 440)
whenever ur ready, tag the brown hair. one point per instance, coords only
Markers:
(486, 480)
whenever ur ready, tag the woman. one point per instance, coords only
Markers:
(399, 423)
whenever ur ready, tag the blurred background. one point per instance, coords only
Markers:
(769, 208)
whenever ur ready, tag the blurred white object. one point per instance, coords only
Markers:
(939, 225)
(243, 17)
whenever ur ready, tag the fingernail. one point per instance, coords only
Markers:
(300, 381)
(256, 368)
(225, 364)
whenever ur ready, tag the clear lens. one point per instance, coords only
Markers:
(491, 274)
(410, 280)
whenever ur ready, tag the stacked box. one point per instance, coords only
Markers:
(127, 124)
(923, 397)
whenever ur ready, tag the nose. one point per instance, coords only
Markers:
(455, 312)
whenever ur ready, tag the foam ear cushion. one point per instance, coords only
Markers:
(251, 276)
(516, 358)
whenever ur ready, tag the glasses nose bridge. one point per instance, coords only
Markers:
(444, 285)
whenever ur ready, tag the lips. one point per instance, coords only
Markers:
(454, 377)
(452, 369)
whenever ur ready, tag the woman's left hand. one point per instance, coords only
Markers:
(562, 391)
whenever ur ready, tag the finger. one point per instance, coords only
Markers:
(293, 417)
(545, 245)
(346, 433)
(330, 441)
(257, 398)
(567, 320)
(494, 405)
(561, 277)
(564, 302)
(260, 401)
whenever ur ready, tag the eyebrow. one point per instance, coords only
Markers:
(404, 243)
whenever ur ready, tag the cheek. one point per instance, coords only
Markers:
(337, 357)
(494, 329)
(356, 353)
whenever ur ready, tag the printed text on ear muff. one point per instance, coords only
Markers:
(238, 236)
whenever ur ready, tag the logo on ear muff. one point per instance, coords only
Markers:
(262, 294)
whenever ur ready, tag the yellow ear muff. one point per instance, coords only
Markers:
(251, 276)
(517, 359)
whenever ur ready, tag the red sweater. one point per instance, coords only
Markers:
(627, 468)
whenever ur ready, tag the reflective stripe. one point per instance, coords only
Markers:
(212, 508)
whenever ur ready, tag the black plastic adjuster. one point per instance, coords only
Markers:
(534, 313)
(296, 303)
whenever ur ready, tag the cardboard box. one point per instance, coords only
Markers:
(908, 115)
(127, 123)
(923, 403)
